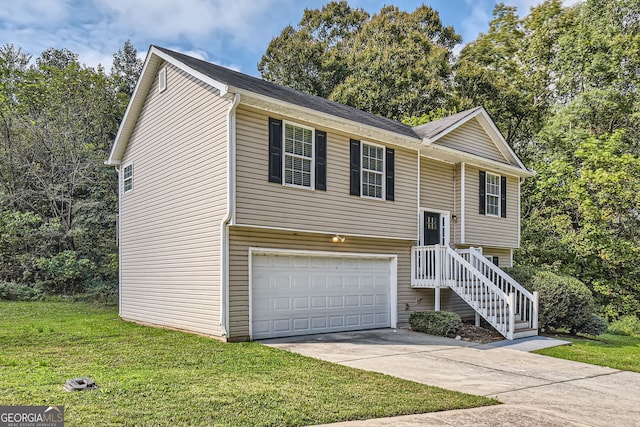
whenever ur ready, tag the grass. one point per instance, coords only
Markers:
(153, 376)
(615, 351)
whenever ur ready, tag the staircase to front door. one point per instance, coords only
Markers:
(492, 293)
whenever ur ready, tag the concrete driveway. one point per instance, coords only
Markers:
(536, 390)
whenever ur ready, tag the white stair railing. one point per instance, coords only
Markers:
(525, 302)
(441, 266)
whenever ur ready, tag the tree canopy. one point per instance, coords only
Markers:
(57, 200)
(394, 63)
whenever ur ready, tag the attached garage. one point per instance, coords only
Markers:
(300, 293)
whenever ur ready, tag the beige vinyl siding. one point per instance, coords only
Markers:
(456, 225)
(503, 254)
(170, 222)
(437, 185)
(267, 204)
(450, 301)
(242, 238)
(472, 138)
(485, 230)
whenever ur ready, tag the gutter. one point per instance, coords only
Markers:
(229, 218)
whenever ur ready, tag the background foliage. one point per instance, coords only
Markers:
(562, 84)
(58, 201)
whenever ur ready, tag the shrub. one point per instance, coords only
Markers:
(441, 323)
(565, 302)
(18, 292)
(594, 326)
(626, 325)
(64, 272)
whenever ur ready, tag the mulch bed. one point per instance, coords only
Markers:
(470, 332)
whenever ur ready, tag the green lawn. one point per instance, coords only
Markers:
(614, 351)
(159, 377)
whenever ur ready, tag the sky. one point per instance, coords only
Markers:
(232, 33)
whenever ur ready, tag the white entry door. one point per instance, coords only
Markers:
(309, 294)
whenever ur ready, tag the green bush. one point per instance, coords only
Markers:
(594, 326)
(627, 325)
(18, 292)
(64, 273)
(441, 323)
(565, 302)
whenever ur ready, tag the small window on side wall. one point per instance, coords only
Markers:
(162, 79)
(127, 178)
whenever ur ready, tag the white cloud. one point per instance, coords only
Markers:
(241, 22)
(38, 12)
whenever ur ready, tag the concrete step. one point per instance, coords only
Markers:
(523, 333)
(521, 324)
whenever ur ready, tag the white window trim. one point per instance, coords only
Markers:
(384, 171)
(162, 79)
(445, 226)
(486, 194)
(313, 155)
(133, 172)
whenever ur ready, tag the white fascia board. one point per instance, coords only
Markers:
(140, 94)
(223, 88)
(489, 127)
(429, 141)
(495, 134)
(475, 160)
(133, 110)
(293, 111)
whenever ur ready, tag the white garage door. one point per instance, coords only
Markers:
(302, 294)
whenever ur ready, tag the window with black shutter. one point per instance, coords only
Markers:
(492, 194)
(372, 171)
(297, 155)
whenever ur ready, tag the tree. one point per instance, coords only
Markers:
(59, 121)
(126, 68)
(396, 64)
(399, 64)
(507, 70)
(312, 57)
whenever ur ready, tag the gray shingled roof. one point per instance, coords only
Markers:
(283, 93)
(431, 129)
(286, 94)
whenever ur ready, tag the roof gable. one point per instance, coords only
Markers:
(486, 142)
(230, 82)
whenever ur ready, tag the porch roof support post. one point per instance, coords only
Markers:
(437, 299)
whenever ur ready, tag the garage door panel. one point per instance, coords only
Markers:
(295, 295)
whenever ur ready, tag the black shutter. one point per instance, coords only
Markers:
(390, 172)
(275, 150)
(503, 196)
(354, 167)
(483, 189)
(321, 160)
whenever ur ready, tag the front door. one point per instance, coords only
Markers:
(431, 228)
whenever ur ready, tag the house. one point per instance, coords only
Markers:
(249, 210)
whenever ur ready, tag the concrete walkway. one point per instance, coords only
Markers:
(536, 390)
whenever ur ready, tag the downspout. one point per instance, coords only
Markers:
(418, 199)
(229, 218)
(119, 238)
